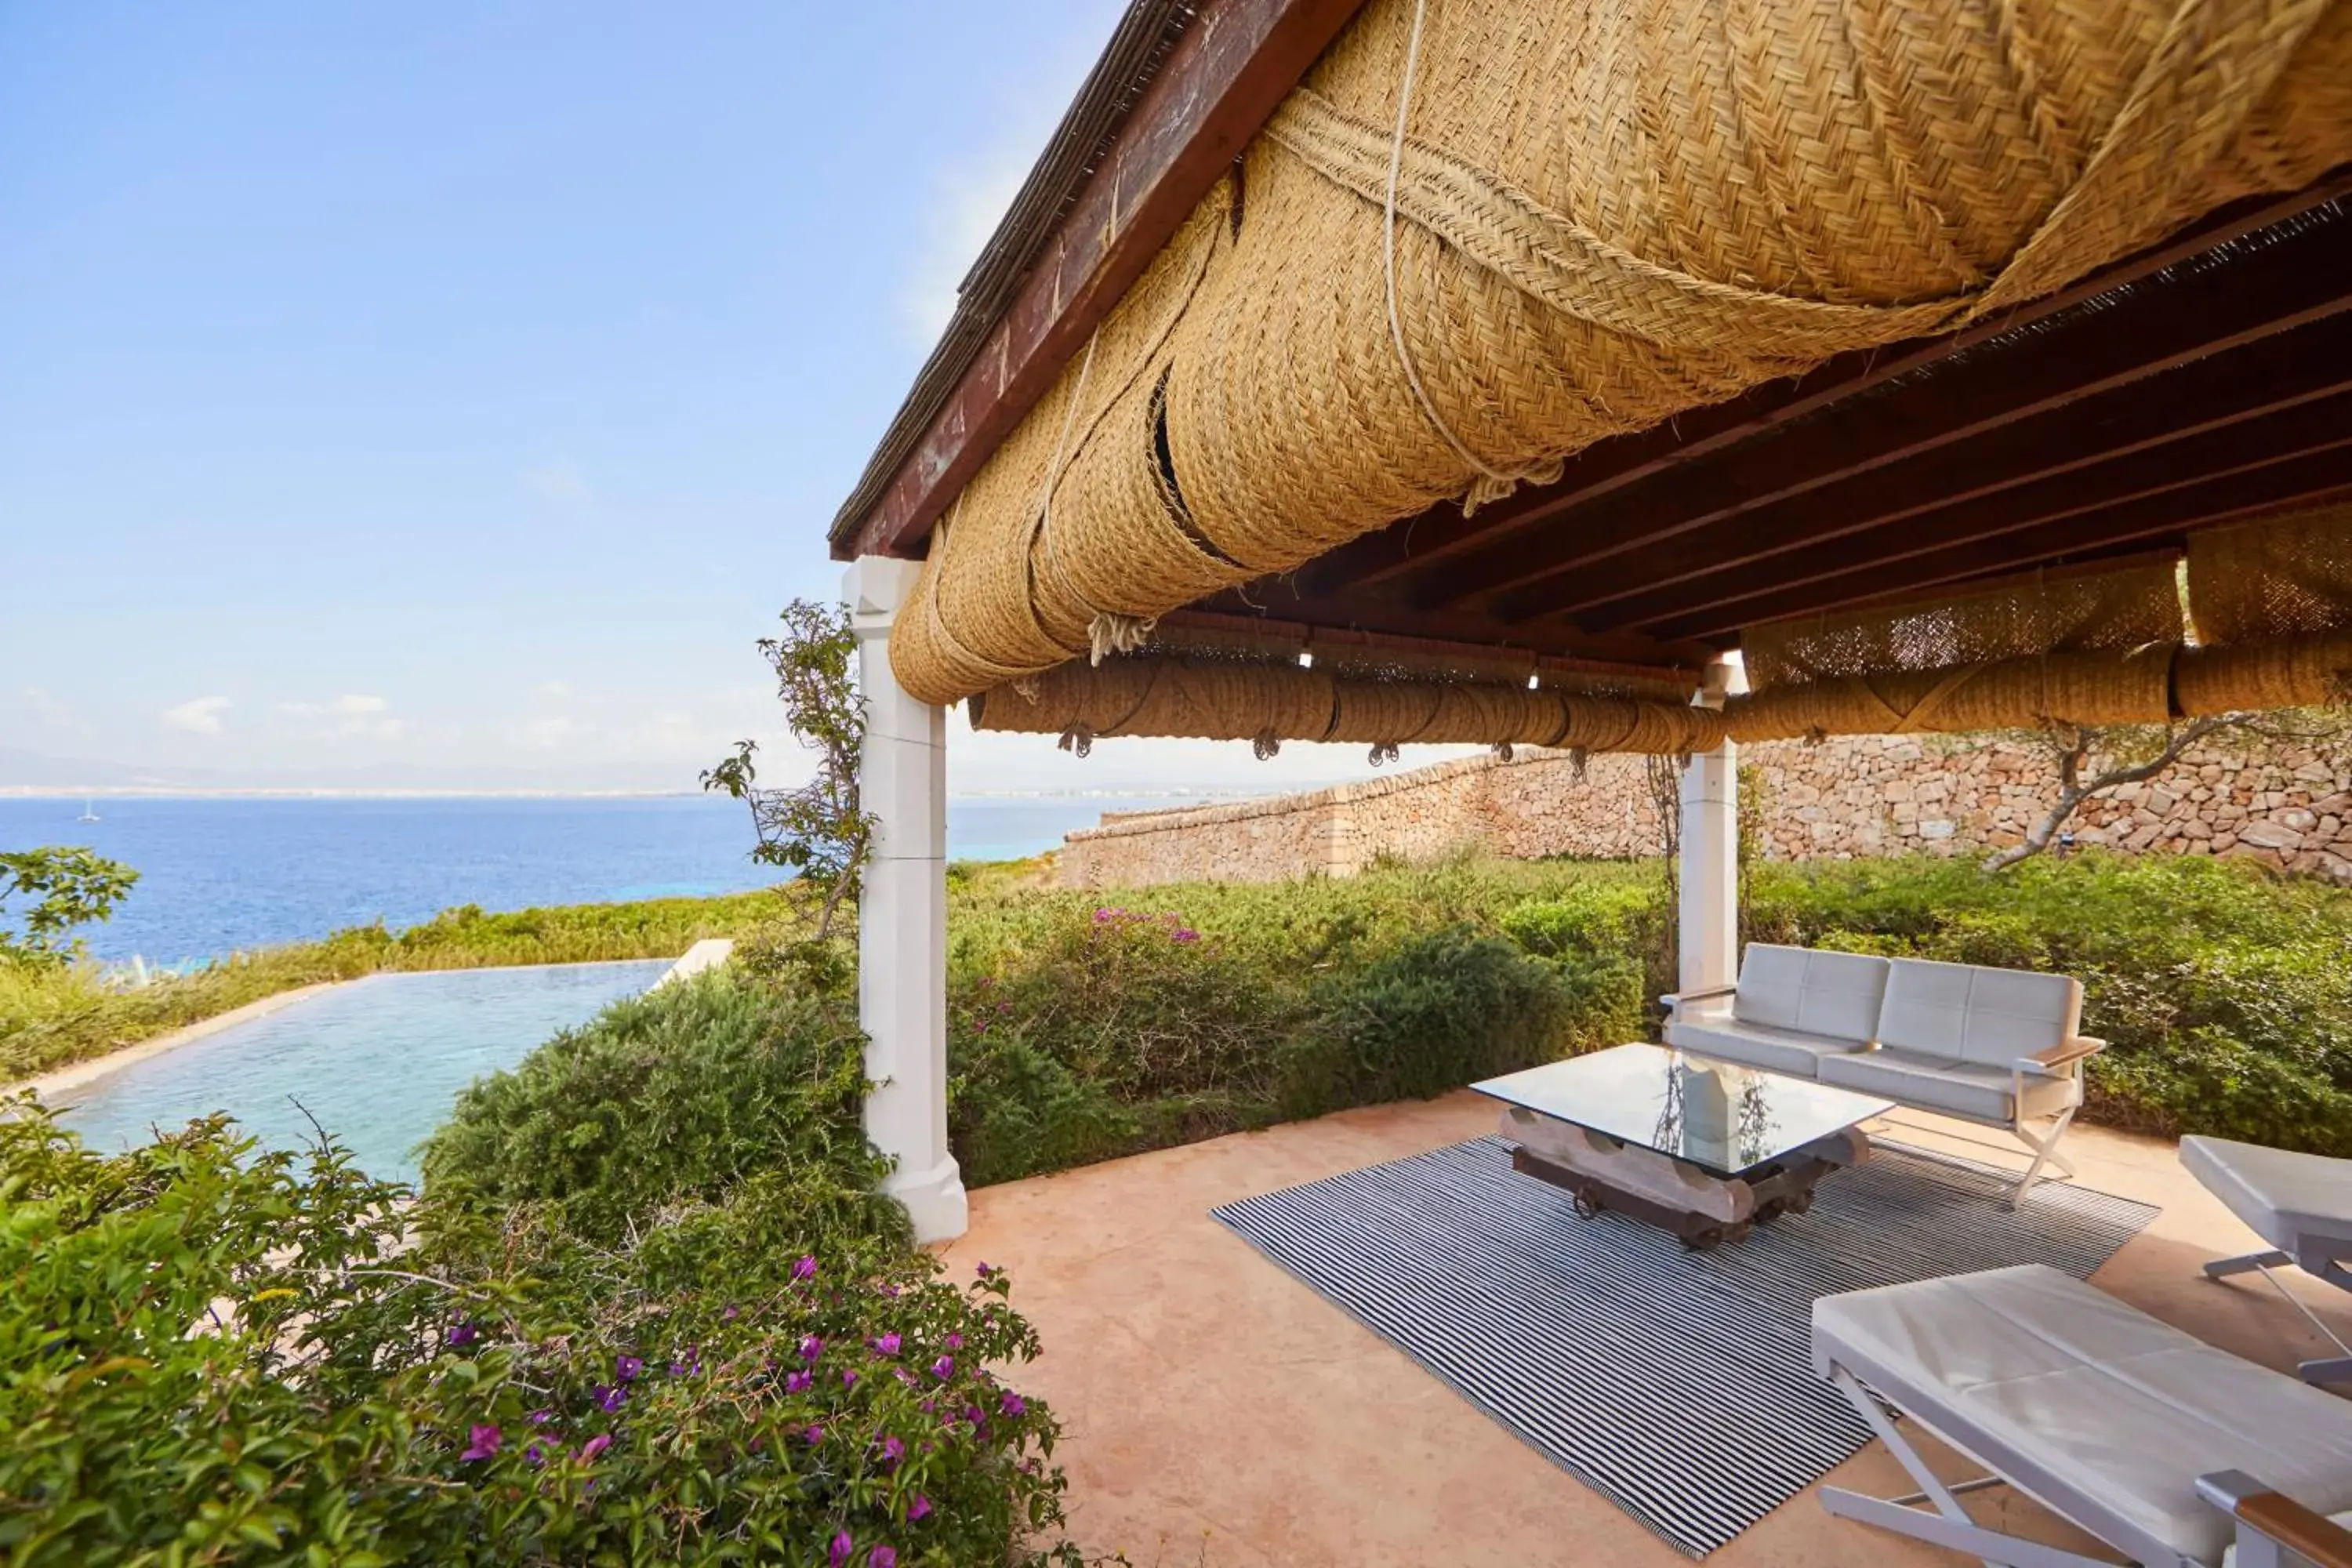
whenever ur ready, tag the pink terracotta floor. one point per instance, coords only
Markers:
(1220, 1414)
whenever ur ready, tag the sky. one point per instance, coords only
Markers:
(449, 396)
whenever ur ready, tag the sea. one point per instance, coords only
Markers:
(218, 875)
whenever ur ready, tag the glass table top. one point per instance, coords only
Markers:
(1726, 1119)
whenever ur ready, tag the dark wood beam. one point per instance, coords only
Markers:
(1442, 533)
(1218, 85)
(2262, 484)
(2259, 295)
(2232, 393)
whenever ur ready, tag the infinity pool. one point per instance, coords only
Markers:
(379, 1061)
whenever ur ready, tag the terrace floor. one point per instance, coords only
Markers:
(1219, 1413)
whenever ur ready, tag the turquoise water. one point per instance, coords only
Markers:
(379, 1061)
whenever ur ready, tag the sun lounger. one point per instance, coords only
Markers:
(2301, 1204)
(2172, 1452)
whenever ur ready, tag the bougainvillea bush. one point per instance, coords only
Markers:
(212, 1354)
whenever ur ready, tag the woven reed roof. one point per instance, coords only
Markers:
(2176, 367)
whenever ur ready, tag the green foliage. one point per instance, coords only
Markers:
(678, 1094)
(69, 886)
(52, 1015)
(1442, 1009)
(723, 1349)
(817, 830)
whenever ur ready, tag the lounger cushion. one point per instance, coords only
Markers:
(1970, 1089)
(2289, 1200)
(2101, 1412)
(1964, 1011)
(1837, 994)
(1756, 1045)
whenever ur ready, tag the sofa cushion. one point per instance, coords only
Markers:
(1970, 1089)
(1834, 994)
(1964, 1011)
(1727, 1039)
(2287, 1199)
(2097, 1407)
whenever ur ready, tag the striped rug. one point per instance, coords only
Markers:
(1678, 1385)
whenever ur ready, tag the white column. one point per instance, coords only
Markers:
(902, 918)
(1710, 857)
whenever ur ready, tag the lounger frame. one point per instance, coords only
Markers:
(1948, 1524)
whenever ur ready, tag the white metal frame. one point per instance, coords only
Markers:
(2318, 1262)
(1949, 1525)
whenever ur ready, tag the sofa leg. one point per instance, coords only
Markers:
(2222, 1268)
(2329, 1368)
(2046, 1152)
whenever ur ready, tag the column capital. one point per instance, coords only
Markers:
(877, 586)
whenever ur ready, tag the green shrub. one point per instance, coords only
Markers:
(678, 1094)
(1584, 918)
(739, 1358)
(1438, 1012)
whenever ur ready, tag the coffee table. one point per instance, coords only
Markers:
(1700, 1148)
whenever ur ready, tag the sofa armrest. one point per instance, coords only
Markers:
(2275, 1518)
(1673, 1000)
(2054, 1062)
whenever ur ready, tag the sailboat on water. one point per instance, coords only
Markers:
(87, 814)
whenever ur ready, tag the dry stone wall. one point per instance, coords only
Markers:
(2286, 805)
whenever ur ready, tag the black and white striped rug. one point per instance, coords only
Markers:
(1679, 1385)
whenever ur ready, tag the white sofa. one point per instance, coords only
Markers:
(2001, 1048)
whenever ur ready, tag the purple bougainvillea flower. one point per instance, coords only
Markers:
(918, 1507)
(955, 1342)
(541, 1417)
(903, 1375)
(889, 1343)
(1004, 1006)
(536, 1452)
(463, 1334)
(804, 1268)
(487, 1441)
(798, 1381)
(943, 1368)
(848, 1378)
(594, 1447)
(811, 1348)
(1012, 1403)
(893, 1450)
(730, 1314)
(1186, 934)
(816, 1434)
(690, 1365)
(629, 1368)
(986, 1270)
(608, 1396)
(891, 1291)
(838, 1557)
(882, 1557)
(1102, 916)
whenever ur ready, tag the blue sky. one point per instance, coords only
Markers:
(450, 394)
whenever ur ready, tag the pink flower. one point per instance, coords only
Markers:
(893, 1450)
(629, 1368)
(608, 1396)
(943, 1368)
(838, 1557)
(889, 1343)
(485, 1442)
(955, 1342)
(816, 1434)
(882, 1557)
(594, 1447)
(541, 1417)
(986, 1269)
(1012, 1403)
(730, 1315)
(805, 1268)
(848, 1378)
(798, 1381)
(463, 1334)
(811, 1348)
(918, 1507)
(1187, 935)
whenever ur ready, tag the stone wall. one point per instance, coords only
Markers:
(2287, 805)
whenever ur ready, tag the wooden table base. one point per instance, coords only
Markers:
(1780, 1189)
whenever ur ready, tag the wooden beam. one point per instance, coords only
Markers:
(1219, 84)
(2235, 390)
(2310, 478)
(1442, 533)
(2259, 295)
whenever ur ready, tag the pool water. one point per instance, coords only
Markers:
(379, 1061)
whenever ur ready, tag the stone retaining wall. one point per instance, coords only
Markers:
(2288, 805)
